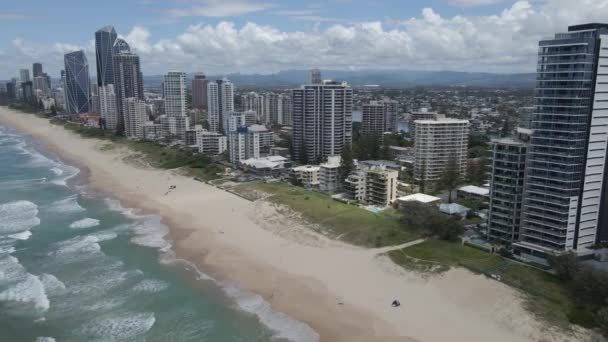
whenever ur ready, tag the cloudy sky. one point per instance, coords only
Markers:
(265, 36)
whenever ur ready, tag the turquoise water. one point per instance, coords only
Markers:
(76, 266)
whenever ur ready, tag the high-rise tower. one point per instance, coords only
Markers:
(199, 91)
(128, 79)
(565, 183)
(105, 38)
(322, 120)
(77, 85)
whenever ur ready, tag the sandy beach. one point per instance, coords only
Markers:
(343, 292)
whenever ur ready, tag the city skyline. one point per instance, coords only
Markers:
(250, 36)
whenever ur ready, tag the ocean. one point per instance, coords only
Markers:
(77, 266)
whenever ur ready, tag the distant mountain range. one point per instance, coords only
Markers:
(385, 78)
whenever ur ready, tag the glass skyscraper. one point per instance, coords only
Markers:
(105, 39)
(128, 79)
(566, 159)
(77, 84)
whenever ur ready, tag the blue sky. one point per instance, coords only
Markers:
(51, 20)
(220, 36)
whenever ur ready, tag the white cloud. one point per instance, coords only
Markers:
(473, 3)
(503, 42)
(219, 8)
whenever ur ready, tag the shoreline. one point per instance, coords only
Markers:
(343, 292)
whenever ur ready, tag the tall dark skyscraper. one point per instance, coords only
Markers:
(105, 39)
(37, 70)
(199, 91)
(127, 77)
(77, 82)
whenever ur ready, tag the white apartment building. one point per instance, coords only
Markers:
(308, 175)
(254, 102)
(212, 143)
(328, 174)
(152, 131)
(175, 126)
(107, 106)
(354, 186)
(266, 137)
(174, 91)
(243, 144)
(220, 102)
(380, 186)
(322, 120)
(436, 142)
(59, 96)
(135, 118)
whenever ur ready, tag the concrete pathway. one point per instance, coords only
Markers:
(382, 250)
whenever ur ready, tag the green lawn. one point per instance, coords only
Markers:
(339, 220)
(545, 295)
(194, 165)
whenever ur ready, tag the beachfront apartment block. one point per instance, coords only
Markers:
(322, 120)
(243, 144)
(307, 175)
(77, 82)
(107, 106)
(436, 142)
(127, 78)
(548, 193)
(508, 164)
(152, 131)
(564, 202)
(380, 186)
(174, 92)
(174, 126)
(212, 143)
(329, 179)
(354, 186)
(135, 118)
(372, 185)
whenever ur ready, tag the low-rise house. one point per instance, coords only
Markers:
(453, 209)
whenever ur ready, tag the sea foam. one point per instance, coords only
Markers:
(283, 325)
(23, 287)
(119, 326)
(84, 223)
(66, 205)
(18, 217)
(150, 231)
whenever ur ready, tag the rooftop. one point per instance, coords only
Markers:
(419, 197)
(442, 121)
(472, 189)
(306, 168)
(270, 162)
